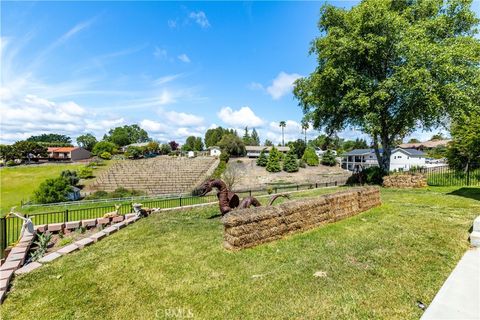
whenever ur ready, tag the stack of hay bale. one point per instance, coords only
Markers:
(250, 227)
(405, 180)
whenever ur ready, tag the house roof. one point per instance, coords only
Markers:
(260, 148)
(360, 152)
(411, 152)
(426, 144)
(61, 149)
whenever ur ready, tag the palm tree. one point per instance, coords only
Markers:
(282, 125)
(305, 127)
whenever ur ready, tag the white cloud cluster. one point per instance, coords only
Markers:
(32, 115)
(282, 85)
(184, 58)
(200, 18)
(240, 118)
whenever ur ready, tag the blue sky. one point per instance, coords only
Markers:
(175, 68)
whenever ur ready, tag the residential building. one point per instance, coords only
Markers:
(215, 151)
(68, 153)
(400, 159)
(254, 151)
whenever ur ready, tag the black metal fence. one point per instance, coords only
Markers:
(10, 227)
(446, 176)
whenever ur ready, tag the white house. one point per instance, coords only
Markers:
(215, 151)
(400, 159)
(191, 154)
(319, 152)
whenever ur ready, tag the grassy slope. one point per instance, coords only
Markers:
(378, 264)
(17, 183)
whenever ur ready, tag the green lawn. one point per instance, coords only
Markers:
(19, 183)
(377, 265)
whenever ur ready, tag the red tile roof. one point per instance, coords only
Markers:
(61, 149)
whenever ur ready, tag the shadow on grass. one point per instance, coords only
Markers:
(472, 193)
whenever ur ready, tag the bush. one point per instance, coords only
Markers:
(328, 159)
(10, 163)
(262, 159)
(224, 156)
(273, 163)
(301, 163)
(134, 152)
(310, 157)
(42, 245)
(118, 193)
(53, 190)
(106, 155)
(70, 176)
(104, 146)
(372, 175)
(290, 164)
(85, 173)
(217, 174)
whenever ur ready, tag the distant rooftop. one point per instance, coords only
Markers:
(260, 148)
(426, 144)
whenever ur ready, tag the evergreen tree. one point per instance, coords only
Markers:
(268, 143)
(310, 157)
(273, 163)
(290, 163)
(255, 139)
(328, 159)
(246, 137)
(262, 159)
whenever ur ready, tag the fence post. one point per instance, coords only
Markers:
(3, 236)
(180, 201)
(316, 185)
(65, 216)
(250, 192)
(297, 187)
(335, 183)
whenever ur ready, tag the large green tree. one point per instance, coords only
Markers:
(464, 149)
(126, 135)
(213, 136)
(87, 141)
(389, 67)
(51, 137)
(232, 145)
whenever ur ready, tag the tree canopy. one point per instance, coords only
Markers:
(389, 67)
(193, 144)
(51, 137)
(464, 149)
(87, 141)
(232, 145)
(126, 135)
(213, 136)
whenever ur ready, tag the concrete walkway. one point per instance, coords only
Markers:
(459, 297)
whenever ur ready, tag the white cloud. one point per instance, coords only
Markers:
(183, 119)
(166, 97)
(152, 126)
(256, 86)
(282, 85)
(172, 24)
(160, 53)
(166, 79)
(184, 58)
(239, 118)
(200, 18)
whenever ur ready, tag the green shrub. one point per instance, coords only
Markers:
(42, 245)
(373, 175)
(224, 156)
(290, 163)
(64, 242)
(262, 159)
(217, 174)
(310, 157)
(70, 176)
(10, 163)
(134, 152)
(273, 163)
(104, 146)
(328, 159)
(53, 190)
(85, 173)
(106, 155)
(301, 163)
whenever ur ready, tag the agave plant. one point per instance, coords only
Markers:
(42, 245)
